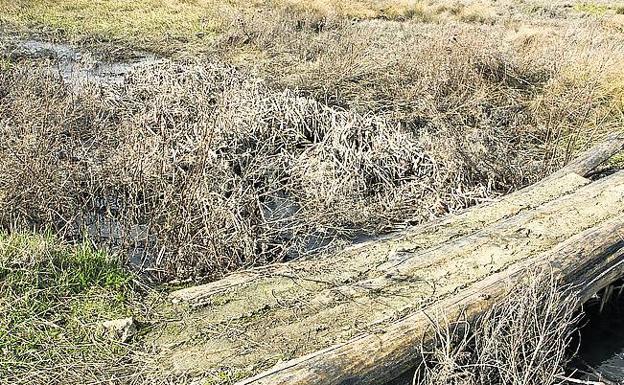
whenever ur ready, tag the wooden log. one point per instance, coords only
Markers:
(248, 327)
(362, 256)
(461, 224)
(256, 318)
(380, 357)
(588, 161)
(505, 232)
(604, 274)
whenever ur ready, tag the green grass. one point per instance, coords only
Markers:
(226, 377)
(597, 9)
(52, 297)
(158, 25)
(592, 9)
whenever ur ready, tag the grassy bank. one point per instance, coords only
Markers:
(53, 299)
(169, 26)
(196, 26)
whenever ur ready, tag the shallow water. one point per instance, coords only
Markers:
(602, 340)
(77, 67)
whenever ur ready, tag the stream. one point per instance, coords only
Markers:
(601, 351)
(77, 67)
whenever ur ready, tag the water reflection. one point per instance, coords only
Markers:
(78, 67)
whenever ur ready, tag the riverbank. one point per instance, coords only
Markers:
(160, 142)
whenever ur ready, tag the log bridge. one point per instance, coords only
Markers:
(359, 316)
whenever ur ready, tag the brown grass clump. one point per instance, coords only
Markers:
(195, 169)
(537, 82)
(525, 339)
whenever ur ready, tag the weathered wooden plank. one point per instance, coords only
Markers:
(529, 232)
(505, 233)
(285, 314)
(560, 183)
(380, 357)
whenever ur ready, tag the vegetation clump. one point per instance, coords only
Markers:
(525, 339)
(53, 299)
(198, 169)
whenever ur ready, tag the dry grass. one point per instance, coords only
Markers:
(191, 26)
(202, 168)
(168, 26)
(452, 71)
(525, 339)
(206, 170)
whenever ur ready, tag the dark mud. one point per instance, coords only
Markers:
(601, 352)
